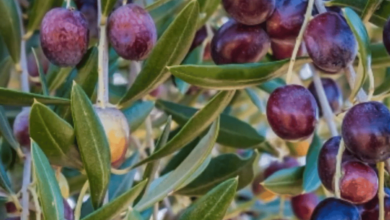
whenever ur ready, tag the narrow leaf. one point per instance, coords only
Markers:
(6, 130)
(5, 71)
(137, 113)
(311, 180)
(92, 143)
(10, 28)
(170, 50)
(194, 126)
(55, 136)
(286, 181)
(181, 173)
(370, 8)
(14, 97)
(380, 57)
(233, 76)
(57, 77)
(42, 76)
(214, 204)
(255, 99)
(49, 192)
(5, 183)
(207, 8)
(106, 7)
(114, 208)
(156, 4)
(271, 85)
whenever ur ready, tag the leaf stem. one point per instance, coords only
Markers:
(77, 211)
(381, 191)
(298, 41)
(326, 110)
(25, 184)
(351, 77)
(103, 92)
(338, 173)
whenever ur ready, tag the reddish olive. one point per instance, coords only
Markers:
(332, 92)
(249, 12)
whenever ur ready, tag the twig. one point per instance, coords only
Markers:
(135, 68)
(351, 77)
(25, 184)
(38, 210)
(67, 4)
(281, 207)
(21, 67)
(381, 191)
(338, 169)
(77, 211)
(320, 6)
(103, 94)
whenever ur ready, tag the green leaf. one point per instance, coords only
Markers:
(255, 99)
(370, 8)
(380, 57)
(121, 183)
(5, 71)
(10, 28)
(42, 76)
(174, 179)
(194, 126)
(137, 113)
(271, 85)
(170, 50)
(134, 215)
(233, 132)
(361, 35)
(214, 204)
(6, 130)
(37, 11)
(106, 7)
(15, 97)
(384, 88)
(49, 193)
(221, 168)
(207, 8)
(379, 17)
(286, 182)
(5, 183)
(92, 143)
(114, 208)
(233, 76)
(311, 180)
(55, 136)
(156, 4)
(194, 57)
(58, 77)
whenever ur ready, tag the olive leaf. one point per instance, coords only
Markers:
(380, 57)
(214, 204)
(49, 192)
(57, 76)
(311, 179)
(194, 126)
(5, 183)
(221, 168)
(114, 208)
(14, 97)
(137, 113)
(165, 185)
(55, 136)
(156, 4)
(255, 99)
(6, 130)
(92, 143)
(5, 71)
(207, 8)
(232, 76)
(233, 132)
(286, 181)
(106, 8)
(170, 49)
(361, 35)
(370, 8)
(271, 85)
(10, 28)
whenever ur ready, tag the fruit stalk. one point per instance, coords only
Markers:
(299, 40)
(338, 169)
(327, 111)
(351, 77)
(381, 191)
(102, 98)
(25, 184)
(77, 210)
(21, 67)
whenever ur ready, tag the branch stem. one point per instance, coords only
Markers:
(338, 173)
(25, 184)
(381, 191)
(67, 4)
(103, 92)
(351, 77)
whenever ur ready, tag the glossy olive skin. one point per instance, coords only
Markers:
(21, 128)
(68, 212)
(371, 210)
(132, 32)
(335, 209)
(386, 36)
(283, 48)
(287, 19)
(304, 205)
(89, 11)
(366, 131)
(64, 36)
(237, 43)
(327, 161)
(249, 12)
(32, 64)
(200, 36)
(288, 162)
(330, 42)
(359, 183)
(292, 112)
(332, 92)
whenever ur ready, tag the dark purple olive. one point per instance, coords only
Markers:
(335, 209)
(288, 162)
(237, 43)
(68, 212)
(303, 205)
(287, 19)
(292, 112)
(64, 36)
(332, 92)
(21, 128)
(330, 42)
(249, 12)
(32, 64)
(359, 182)
(386, 35)
(366, 131)
(90, 13)
(370, 210)
(200, 36)
(283, 49)
(132, 32)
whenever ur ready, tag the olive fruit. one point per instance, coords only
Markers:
(283, 48)
(200, 36)
(64, 36)
(366, 131)
(332, 92)
(292, 112)
(132, 32)
(117, 131)
(91, 15)
(330, 42)
(371, 210)
(249, 12)
(335, 209)
(237, 43)
(32, 67)
(304, 205)
(386, 36)
(68, 212)
(21, 128)
(287, 19)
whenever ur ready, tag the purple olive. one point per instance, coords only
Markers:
(283, 49)
(386, 36)
(249, 12)
(21, 128)
(332, 92)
